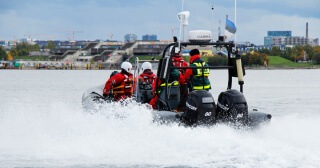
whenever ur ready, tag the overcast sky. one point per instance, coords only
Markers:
(98, 19)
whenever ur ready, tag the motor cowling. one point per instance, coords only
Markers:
(200, 108)
(232, 106)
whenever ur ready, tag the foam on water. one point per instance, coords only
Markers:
(48, 128)
(60, 135)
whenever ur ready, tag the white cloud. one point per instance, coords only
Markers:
(98, 19)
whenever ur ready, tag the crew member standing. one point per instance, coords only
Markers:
(197, 78)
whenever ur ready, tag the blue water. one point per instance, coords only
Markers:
(42, 124)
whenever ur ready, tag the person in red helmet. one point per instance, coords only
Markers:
(145, 82)
(120, 85)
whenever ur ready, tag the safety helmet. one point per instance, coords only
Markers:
(146, 65)
(126, 66)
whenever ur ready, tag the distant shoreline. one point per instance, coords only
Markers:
(118, 68)
(280, 67)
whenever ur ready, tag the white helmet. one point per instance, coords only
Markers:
(146, 65)
(126, 66)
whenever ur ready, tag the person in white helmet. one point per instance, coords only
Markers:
(120, 85)
(146, 80)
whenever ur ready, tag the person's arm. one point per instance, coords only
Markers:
(187, 75)
(111, 82)
(155, 83)
(181, 79)
(107, 87)
(185, 63)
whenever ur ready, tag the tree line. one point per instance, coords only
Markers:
(254, 57)
(23, 49)
(260, 57)
(296, 53)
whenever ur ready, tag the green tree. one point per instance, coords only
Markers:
(217, 60)
(275, 51)
(296, 53)
(265, 51)
(245, 59)
(316, 54)
(23, 49)
(309, 51)
(3, 53)
(255, 58)
(286, 53)
(50, 45)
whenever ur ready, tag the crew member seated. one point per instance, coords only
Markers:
(120, 85)
(145, 83)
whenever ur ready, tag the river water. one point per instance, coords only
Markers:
(42, 124)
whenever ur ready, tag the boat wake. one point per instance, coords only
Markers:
(63, 135)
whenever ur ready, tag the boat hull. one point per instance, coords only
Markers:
(92, 97)
(255, 118)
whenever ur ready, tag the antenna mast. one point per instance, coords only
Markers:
(235, 22)
(219, 28)
(183, 17)
(212, 8)
(180, 31)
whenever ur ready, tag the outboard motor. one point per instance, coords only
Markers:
(200, 108)
(232, 106)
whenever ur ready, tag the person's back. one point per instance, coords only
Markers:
(198, 78)
(120, 85)
(145, 83)
(177, 59)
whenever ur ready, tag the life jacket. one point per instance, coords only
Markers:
(199, 78)
(179, 62)
(125, 88)
(146, 81)
(145, 87)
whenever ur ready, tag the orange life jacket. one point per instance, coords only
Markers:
(125, 88)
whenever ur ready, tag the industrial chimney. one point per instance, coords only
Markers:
(307, 33)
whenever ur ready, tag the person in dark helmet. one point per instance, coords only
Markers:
(120, 85)
(197, 78)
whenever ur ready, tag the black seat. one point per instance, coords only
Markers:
(173, 97)
(145, 92)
